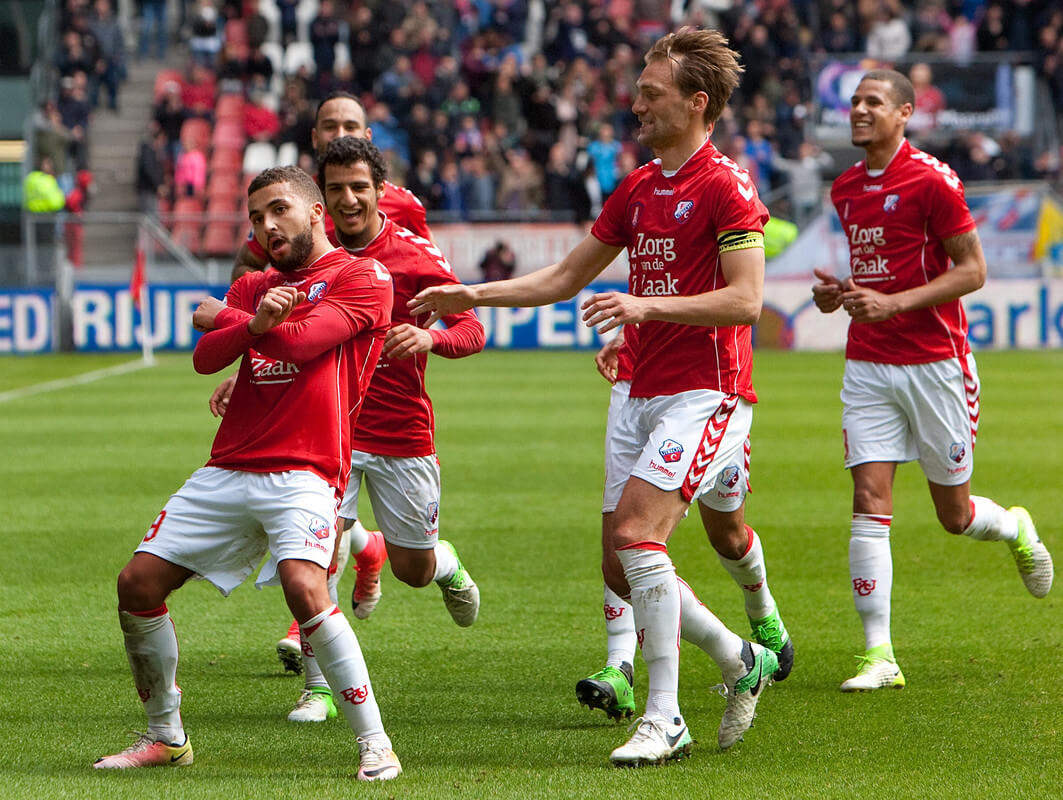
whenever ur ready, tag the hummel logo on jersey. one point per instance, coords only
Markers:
(663, 192)
(317, 291)
(872, 187)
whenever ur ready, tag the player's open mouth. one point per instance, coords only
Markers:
(276, 245)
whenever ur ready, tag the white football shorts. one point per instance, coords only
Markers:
(404, 493)
(222, 522)
(913, 412)
(695, 441)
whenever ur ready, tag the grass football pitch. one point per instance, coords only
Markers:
(490, 711)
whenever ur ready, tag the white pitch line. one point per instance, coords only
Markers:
(76, 380)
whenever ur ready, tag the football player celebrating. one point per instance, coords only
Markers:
(693, 228)
(910, 390)
(305, 333)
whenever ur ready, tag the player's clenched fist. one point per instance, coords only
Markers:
(274, 308)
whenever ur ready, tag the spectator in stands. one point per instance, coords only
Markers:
(152, 169)
(296, 117)
(841, 35)
(74, 229)
(760, 153)
(170, 114)
(326, 30)
(261, 123)
(205, 41)
(190, 171)
(499, 262)
(397, 86)
(992, 31)
(603, 152)
(75, 112)
(888, 38)
(388, 135)
(929, 99)
(562, 184)
(962, 39)
(232, 68)
(805, 180)
(520, 187)
(200, 93)
(257, 25)
(289, 20)
(478, 185)
(469, 139)
(449, 191)
(423, 179)
(73, 57)
(154, 27)
(52, 144)
(259, 67)
(110, 69)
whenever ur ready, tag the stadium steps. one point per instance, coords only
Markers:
(114, 141)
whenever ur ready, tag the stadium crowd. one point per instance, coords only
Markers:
(507, 107)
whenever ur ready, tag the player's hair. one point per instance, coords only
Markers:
(346, 151)
(901, 89)
(340, 95)
(701, 62)
(295, 177)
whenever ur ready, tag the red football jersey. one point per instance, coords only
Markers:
(399, 205)
(627, 355)
(670, 225)
(301, 385)
(895, 223)
(397, 417)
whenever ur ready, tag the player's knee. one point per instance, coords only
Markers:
(136, 590)
(868, 500)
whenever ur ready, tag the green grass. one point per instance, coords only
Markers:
(490, 711)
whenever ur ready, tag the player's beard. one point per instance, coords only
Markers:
(299, 251)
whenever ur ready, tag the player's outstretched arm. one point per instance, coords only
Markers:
(550, 284)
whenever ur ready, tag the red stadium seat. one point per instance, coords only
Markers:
(230, 106)
(221, 239)
(195, 133)
(225, 159)
(228, 134)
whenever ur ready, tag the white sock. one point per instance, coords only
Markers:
(359, 537)
(446, 564)
(871, 573)
(619, 629)
(343, 552)
(151, 646)
(703, 629)
(315, 678)
(332, 640)
(655, 602)
(751, 575)
(991, 523)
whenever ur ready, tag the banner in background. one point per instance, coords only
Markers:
(1002, 315)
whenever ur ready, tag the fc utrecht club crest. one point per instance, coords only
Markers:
(317, 291)
(433, 513)
(729, 476)
(671, 451)
(890, 203)
(636, 214)
(319, 528)
(683, 210)
(957, 450)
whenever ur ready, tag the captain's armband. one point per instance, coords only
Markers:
(740, 240)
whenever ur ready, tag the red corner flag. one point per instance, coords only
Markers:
(137, 281)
